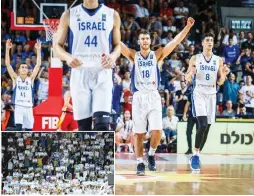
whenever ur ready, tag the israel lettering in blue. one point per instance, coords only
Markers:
(23, 88)
(145, 63)
(207, 68)
(99, 26)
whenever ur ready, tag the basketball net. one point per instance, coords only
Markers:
(50, 26)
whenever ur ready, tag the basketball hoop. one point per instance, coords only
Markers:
(50, 26)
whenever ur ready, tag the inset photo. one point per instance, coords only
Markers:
(58, 163)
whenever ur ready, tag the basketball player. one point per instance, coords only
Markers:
(206, 70)
(146, 105)
(92, 27)
(23, 87)
(68, 124)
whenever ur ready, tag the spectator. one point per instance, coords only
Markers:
(155, 25)
(45, 44)
(169, 124)
(117, 91)
(174, 61)
(166, 13)
(19, 52)
(250, 41)
(241, 38)
(131, 27)
(241, 112)
(180, 11)
(228, 36)
(124, 132)
(246, 95)
(43, 85)
(155, 41)
(230, 90)
(167, 39)
(243, 58)
(142, 14)
(229, 112)
(181, 99)
(66, 80)
(230, 52)
(187, 56)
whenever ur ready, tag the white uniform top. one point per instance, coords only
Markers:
(145, 74)
(205, 79)
(90, 34)
(43, 89)
(23, 95)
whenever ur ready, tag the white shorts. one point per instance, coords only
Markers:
(204, 105)
(91, 91)
(146, 106)
(24, 115)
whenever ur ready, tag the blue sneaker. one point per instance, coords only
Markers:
(195, 163)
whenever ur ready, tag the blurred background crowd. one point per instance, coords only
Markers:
(57, 163)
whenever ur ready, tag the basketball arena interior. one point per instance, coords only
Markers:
(52, 160)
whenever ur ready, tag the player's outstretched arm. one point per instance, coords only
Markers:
(10, 70)
(191, 69)
(108, 60)
(127, 52)
(222, 73)
(38, 62)
(161, 53)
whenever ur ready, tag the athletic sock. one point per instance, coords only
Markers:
(140, 160)
(151, 151)
(196, 153)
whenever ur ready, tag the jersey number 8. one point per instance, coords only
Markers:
(207, 76)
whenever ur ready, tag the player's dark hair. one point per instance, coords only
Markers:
(144, 32)
(208, 35)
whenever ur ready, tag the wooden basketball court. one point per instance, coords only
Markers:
(220, 174)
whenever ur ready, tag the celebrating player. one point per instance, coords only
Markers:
(146, 104)
(23, 87)
(92, 27)
(206, 70)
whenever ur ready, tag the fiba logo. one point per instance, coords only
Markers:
(49, 122)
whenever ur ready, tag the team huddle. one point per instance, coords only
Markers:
(94, 46)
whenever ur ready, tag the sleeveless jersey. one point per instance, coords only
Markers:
(205, 79)
(90, 34)
(43, 89)
(23, 92)
(145, 74)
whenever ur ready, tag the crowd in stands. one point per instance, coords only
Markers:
(164, 19)
(57, 163)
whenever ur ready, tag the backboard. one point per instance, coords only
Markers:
(29, 14)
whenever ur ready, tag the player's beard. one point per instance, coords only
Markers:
(145, 47)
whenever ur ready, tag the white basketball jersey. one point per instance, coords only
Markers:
(90, 34)
(205, 80)
(145, 74)
(43, 89)
(23, 94)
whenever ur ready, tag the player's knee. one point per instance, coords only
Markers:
(101, 121)
(202, 123)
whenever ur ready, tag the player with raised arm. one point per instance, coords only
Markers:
(146, 104)
(23, 89)
(92, 29)
(205, 71)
